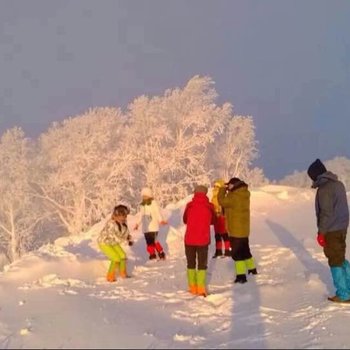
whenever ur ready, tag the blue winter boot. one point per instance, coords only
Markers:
(346, 267)
(339, 281)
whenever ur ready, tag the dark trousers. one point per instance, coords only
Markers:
(196, 254)
(240, 248)
(151, 237)
(335, 247)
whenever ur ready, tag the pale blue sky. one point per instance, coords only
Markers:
(286, 63)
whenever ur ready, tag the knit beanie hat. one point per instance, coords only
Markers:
(147, 192)
(233, 181)
(201, 189)
(316, 169)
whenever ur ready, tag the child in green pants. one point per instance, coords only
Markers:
(110, 238)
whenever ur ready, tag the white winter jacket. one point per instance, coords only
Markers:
(150, 217)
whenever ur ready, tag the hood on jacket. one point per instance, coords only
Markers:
(201, 196)
(323, 178)
(219, 183)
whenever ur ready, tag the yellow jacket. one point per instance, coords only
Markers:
(237, 210)
(214, 199)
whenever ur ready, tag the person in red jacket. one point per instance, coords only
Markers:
(199, 214)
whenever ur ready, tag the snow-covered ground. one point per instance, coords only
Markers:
(57, 297)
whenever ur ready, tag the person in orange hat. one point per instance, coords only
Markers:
(222, 241)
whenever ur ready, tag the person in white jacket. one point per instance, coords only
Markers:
(150, 218)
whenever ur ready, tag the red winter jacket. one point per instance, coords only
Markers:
(199, 214)
(220, 224)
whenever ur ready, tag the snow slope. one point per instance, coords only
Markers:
(57, 297)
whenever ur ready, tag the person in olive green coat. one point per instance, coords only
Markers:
(235, 199)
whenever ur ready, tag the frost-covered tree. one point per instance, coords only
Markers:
(235, 149)
(255, 177)
(195, 121)
(171, 135)
(19, 215)
(83, 167)
(146, 139)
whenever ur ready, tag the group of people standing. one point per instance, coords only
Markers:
(229, 213)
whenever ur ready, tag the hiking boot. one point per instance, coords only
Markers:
(123, 274)
(201, 291)
(152, 256)
(111, 277)
(240, 279)
(161, 256)
(217, 253)
(336, 299)
(193, 289)
(252, 272)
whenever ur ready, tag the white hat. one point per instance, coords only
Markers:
(146, 192)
